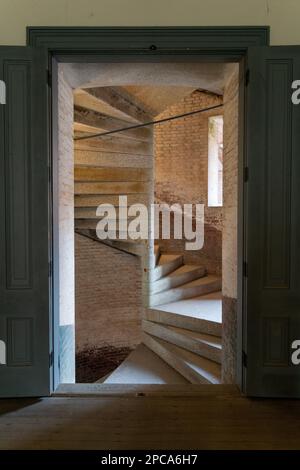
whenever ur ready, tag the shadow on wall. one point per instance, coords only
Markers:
(108, 312)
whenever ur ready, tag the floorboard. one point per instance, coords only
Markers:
(207, 421)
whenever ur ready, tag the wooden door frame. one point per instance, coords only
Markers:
(209, 44)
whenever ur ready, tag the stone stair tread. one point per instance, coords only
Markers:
(93, 235)
(198, 287)
(143, 366)
(166, 264)
(205, 307)
(166, 258)
(102, 379)
(211, 340)
(200, 281)
(177, 277)
(185, 268)
(207, 370)
(89, 213)
(203, 344)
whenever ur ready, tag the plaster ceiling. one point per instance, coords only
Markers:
(206, 76)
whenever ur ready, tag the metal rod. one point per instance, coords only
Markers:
(150, 123)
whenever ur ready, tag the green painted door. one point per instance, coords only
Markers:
(24, 215)
(272, 221)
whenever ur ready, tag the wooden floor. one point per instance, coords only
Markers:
(218, 419)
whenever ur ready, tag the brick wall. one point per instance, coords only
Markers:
(230, 200)
(108, 296)
(181, 167)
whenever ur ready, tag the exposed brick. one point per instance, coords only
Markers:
(94, 363)
(181, 168)
(229, 340)
(229, 248)
(108, 296)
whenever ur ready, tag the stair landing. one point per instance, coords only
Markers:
(143, 366)
(206, 307)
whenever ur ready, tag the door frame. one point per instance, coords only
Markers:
(209, 44)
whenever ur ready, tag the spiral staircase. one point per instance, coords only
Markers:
(181, 340)
(181, 331)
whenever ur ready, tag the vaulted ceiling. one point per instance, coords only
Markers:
(206, 76)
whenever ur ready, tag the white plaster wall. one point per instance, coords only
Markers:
(66, 202)
(282, 16)
(65, 217)
(230, 183)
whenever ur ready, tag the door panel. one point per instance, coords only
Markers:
(24, 282)
(272, 236)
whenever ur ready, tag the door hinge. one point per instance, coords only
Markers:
(246, 174)
(51, 359)
(245, 269)
(244, 359)
(247, 77)
(49, 268)
(49, 78)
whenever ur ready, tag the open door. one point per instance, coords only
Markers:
(272, 224)
(24, 215)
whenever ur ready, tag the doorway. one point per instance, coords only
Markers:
(268, 255)
(145, 305)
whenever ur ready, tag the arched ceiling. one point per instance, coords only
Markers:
(107, 96)
(207, 76)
